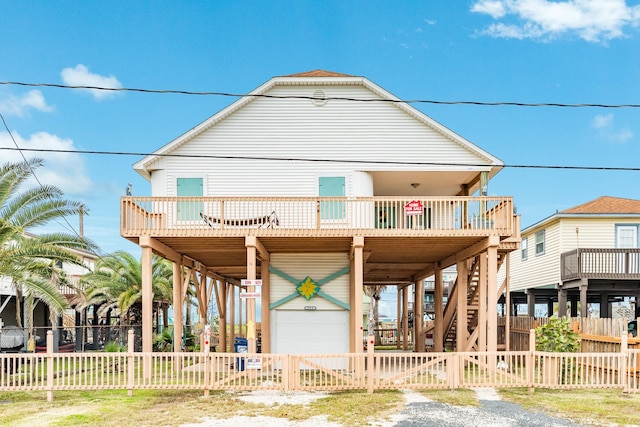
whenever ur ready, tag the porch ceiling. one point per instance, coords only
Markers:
(387, 259)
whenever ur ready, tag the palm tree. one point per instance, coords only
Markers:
(116, 282)
(27, 259)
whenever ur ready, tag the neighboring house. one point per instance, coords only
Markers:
(319, 184)
(41, 320)
(588, 254)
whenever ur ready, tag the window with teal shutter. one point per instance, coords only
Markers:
(332, 186)
(189, 187)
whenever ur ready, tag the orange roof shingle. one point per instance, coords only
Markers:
(319, 73)
(606, 205)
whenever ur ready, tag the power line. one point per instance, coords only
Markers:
(294, 159)
(337, 98)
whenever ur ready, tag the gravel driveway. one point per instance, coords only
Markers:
(419, 411)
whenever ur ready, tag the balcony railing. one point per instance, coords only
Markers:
(600, 264)
(318, 216)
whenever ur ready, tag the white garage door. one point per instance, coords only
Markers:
(307, 332)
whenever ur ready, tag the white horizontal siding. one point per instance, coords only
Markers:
(297, 129)
(317, 267)
(537, 270)
(592, 232)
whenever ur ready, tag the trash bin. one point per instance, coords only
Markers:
(241, 346)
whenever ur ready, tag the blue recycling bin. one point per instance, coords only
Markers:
(240, 345)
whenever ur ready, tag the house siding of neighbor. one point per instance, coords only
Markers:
(314, 173)
(593, 225)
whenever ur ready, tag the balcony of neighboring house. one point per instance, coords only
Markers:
(317, 216)
(602, 264)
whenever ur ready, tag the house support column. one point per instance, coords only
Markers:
(232, 317)
(604, 305)
(531, 302)
(574, 305)
(405, 317)
(221, 299)
(492, 298)
(177, 307)
(483, 293)
(356, 295)
(147, 303)
(251, 242)
(399, 317)
(507, 302)
(418, 318)
(562, 303)
(461, 306)
(438, 327)
(265, 319)
(584, 286)
(147, 295)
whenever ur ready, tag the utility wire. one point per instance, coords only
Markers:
(294, 159)
(338, 98)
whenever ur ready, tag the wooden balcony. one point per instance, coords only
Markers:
(316, 216)
(600, 264)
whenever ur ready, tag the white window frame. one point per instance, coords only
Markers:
(540, 242)
(524, 249)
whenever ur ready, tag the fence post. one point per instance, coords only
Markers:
(370, 363)
(207, 358)
(50, 372)
(531, 359)
(454, 373)
(130, 361)
(624, 360)
(285, 372)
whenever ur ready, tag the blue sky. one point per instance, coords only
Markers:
(579, 51)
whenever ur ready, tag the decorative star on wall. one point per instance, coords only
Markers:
(308, 288)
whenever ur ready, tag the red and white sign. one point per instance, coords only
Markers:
(414, 207)
(250, 295)
(246, 282)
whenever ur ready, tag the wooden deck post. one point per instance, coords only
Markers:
(147, 302)
(483, 308)
(177, 309)
(461, 308)
(265, 320)
(250, 243)
(418, 318)
(438, 308)
(357, 285)
(492, 298)
(405, 317)
(398, 317)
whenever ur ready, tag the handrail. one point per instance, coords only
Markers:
(326, 215)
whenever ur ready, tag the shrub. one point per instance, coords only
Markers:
(557, 336)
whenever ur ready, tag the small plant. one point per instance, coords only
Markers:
(114, 347)
(557, 336)
(163, 341)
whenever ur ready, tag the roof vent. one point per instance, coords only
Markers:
(319, 97)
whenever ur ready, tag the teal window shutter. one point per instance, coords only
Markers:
(189, 187)
(332, 186)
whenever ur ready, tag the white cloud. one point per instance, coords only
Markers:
(591, 20)
(20, 105)
(602, 121)
(81, 76)
(607, 131)
(66, 171)
(496, 9)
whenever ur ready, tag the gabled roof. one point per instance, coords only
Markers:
(316, 77)
(319, 73)
(606, 205)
